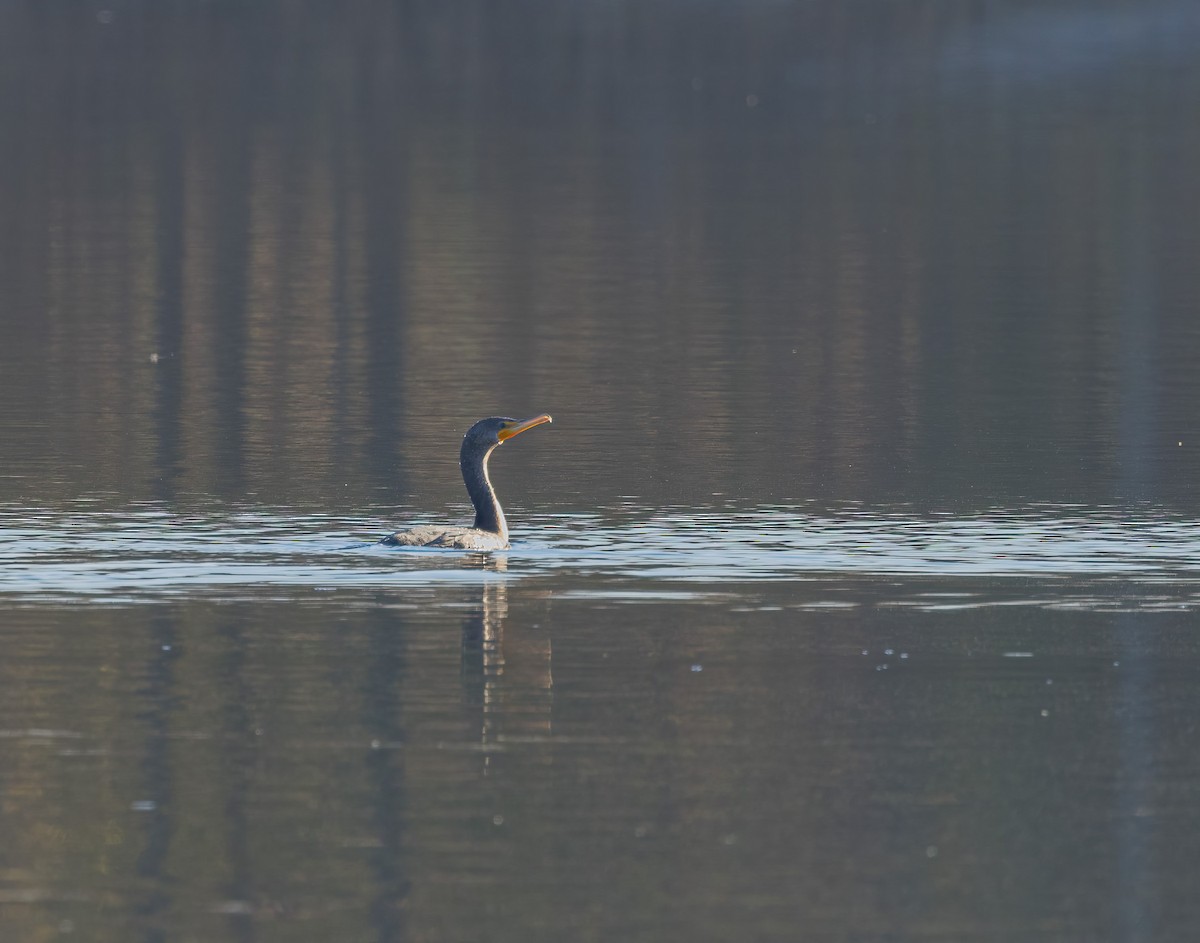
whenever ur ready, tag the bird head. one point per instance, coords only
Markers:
(488, 433)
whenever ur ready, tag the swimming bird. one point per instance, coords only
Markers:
(490, 531)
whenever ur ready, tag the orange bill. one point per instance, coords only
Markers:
(516, 428)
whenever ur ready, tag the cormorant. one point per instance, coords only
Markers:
(490, 531)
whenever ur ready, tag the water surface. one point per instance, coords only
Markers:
(148, 552)
(853, 592)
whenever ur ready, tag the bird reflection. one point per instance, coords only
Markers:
(506, 675)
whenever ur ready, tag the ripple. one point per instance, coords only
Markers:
(139, 552)
(772, 543)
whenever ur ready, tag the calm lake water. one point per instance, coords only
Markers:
(854, 592)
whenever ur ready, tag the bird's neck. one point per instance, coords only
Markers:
(489, 515)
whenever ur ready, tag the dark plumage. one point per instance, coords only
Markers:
(490, 531)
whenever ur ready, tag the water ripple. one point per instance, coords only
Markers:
(147, 550)
(772, 543)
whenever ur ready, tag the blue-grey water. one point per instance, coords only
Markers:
(854, 592)
(151, 550)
